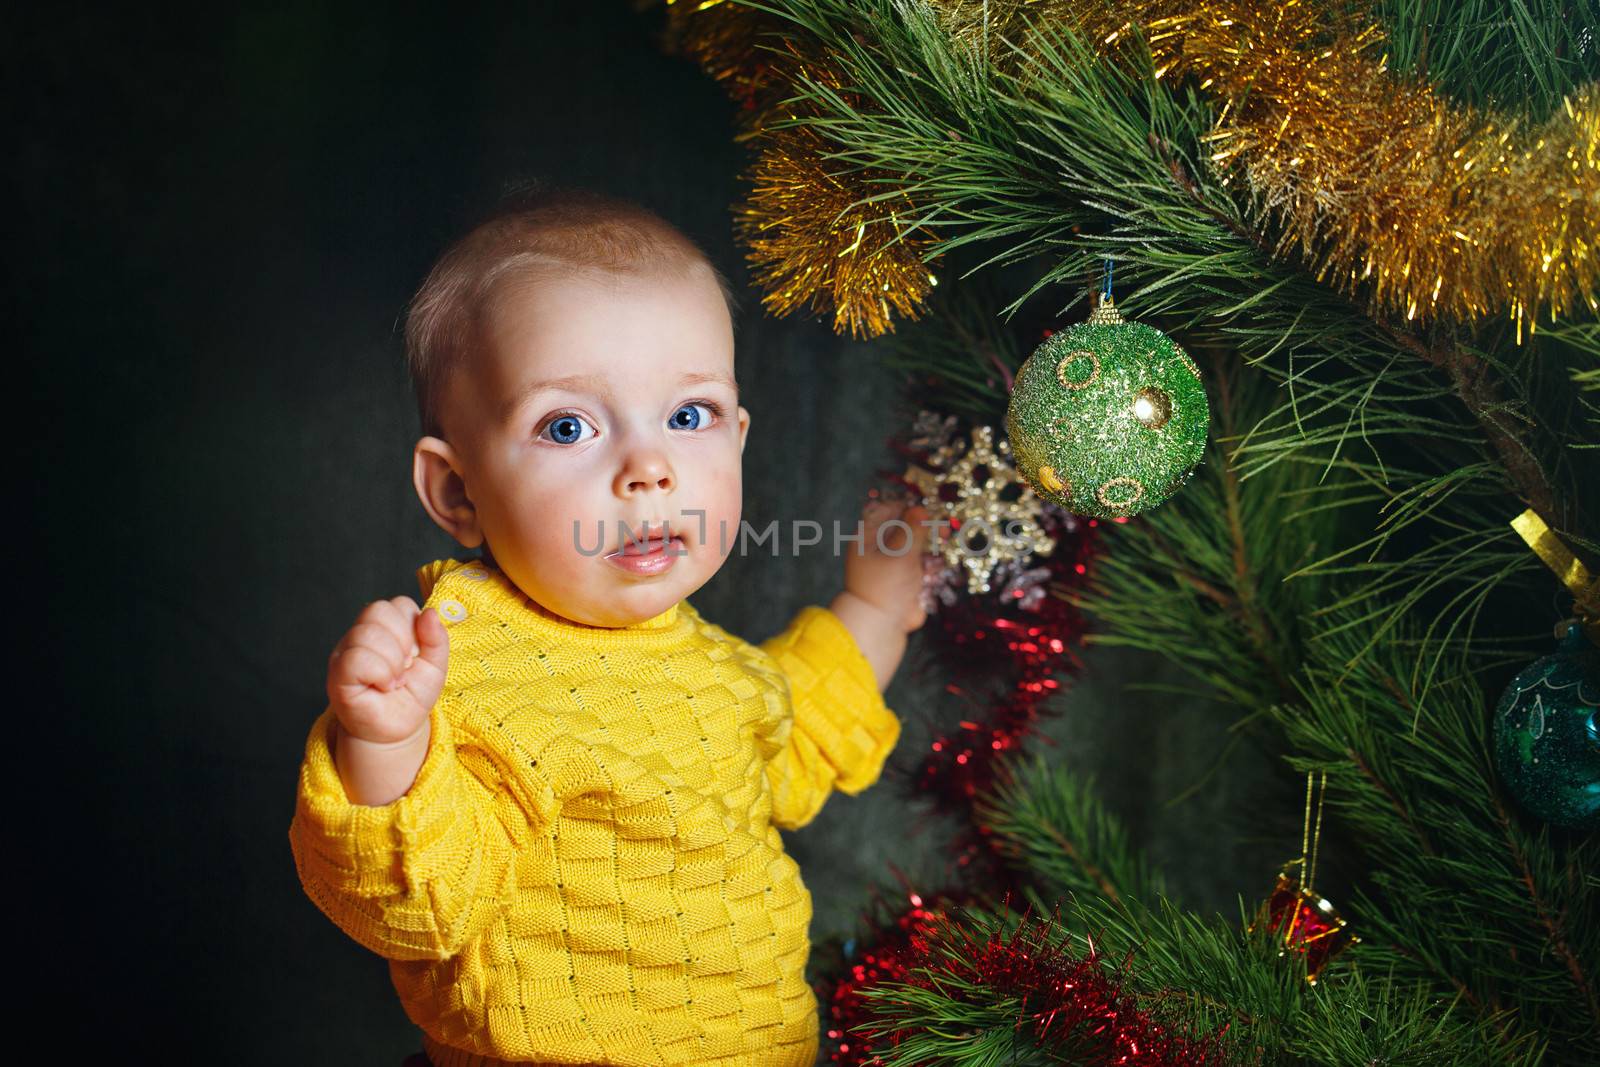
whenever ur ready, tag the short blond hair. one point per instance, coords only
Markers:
(535, 229)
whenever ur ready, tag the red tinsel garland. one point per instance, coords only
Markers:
(1066, 999)
(885, 960)
(1005, 663)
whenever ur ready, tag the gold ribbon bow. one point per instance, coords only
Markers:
(1568, 568)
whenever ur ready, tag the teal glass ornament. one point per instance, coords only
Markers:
(1107, 417)
(1546, 738)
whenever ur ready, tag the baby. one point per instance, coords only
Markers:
(551, 796)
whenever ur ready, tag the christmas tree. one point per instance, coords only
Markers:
(1371, 234)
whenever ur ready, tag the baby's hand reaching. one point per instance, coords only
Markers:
(888, 581)
(386, 673)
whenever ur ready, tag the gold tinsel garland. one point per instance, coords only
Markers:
(728, 43)
(1438, 210)
(813, 242)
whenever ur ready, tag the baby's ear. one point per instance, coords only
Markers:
(436, 473)
(744, 427)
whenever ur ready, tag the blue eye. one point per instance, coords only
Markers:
(565, 429)
(686, 418)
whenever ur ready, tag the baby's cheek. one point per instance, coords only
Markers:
(558, 549)
(726, 511)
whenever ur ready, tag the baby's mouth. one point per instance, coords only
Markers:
(655, 543)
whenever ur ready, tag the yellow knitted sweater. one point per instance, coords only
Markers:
(587, 868)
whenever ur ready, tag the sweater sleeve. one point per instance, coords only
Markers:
(841, 732)
(413, 879)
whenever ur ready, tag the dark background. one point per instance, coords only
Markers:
(221, 216)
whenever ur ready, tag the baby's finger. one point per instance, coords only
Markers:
(433, 640)
(887, 511)
(381, 640)
(874, 513)
(406, 606)
(917, 517)
(409, 612)
(347, 639)
(395, 615)
(896, 536)
(358, 668)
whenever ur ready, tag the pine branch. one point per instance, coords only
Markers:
(1382, 788)
(1210, 976)
(1055, 831)
(1474, 902)
(1481, 395)
(1555, 926)
(1227, 540)
(1470, 376)
(1521, 56)
(1244, 576)
(1055, 161)
(1371, 639)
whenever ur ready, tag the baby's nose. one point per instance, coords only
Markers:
(645, 466)
(643, 471)
(663, 482)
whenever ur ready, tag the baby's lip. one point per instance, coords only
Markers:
(646, 539)
(644, 529)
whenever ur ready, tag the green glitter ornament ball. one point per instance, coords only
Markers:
(1108, 417)
(1546, 738)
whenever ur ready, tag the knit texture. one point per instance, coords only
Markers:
(587, 868)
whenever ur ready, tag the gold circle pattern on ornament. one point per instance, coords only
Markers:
(1152, 407)
(1072, 357)
(1105, 499)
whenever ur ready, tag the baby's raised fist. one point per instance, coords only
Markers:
(386, 673)
(887, 571)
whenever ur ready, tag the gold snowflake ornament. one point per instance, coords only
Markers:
(992, 516)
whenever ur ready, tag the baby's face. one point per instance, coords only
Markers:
(644, 429)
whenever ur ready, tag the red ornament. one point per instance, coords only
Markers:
(1301, 917)
(1306, 923)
